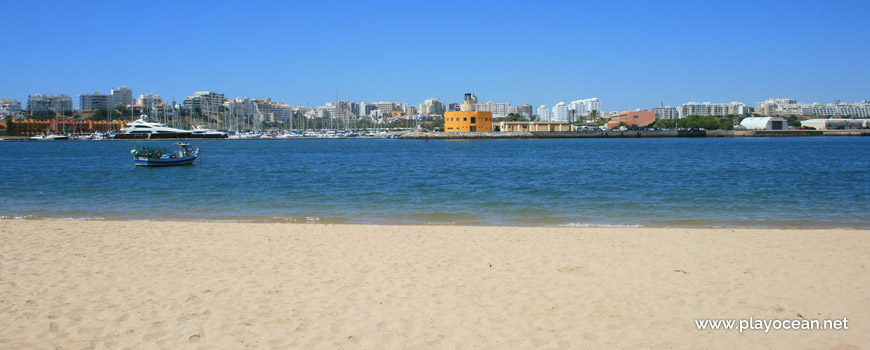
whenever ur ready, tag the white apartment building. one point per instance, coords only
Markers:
(498, 110)
(149, 100)
(560, 112)
(10, 107)
(40, 103)
(713, 109)
(585, 107)
(544, 114)
(207, 101)
(666, 113)
(241, 107)
(386, 107)
(788, 106)
(431, 106)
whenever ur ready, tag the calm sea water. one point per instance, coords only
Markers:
(743, 182)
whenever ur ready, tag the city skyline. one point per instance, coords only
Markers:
(630, 54)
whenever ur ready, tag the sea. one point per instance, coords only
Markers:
(801, 182)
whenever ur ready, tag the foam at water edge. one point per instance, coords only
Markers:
(580, 224)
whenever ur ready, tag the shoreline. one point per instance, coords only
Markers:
(120, 284)
(434, 135)
(463, 223)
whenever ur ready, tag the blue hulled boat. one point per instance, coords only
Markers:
(161, 156)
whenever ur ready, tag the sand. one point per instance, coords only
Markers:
(76, 284)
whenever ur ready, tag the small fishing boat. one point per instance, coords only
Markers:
(161, 156)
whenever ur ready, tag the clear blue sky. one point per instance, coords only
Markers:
(629, 54)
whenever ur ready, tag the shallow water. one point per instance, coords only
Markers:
(743, 182)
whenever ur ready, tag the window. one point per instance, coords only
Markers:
(473, 120)
(465, 119)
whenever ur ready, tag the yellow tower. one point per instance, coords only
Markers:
(467, 119)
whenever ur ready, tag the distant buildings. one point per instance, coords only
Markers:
(505, 126)
(10, 107)
(836, 124)
(40, 103)
(208, 102)
(560, 112)
(526, 111)
(498, 109)
(467, 119)
(148, 101)
(90, 102)
(544, 114)
(788, 106)
(714, 109)
(663, 113)
(122, 95)
(387, 107)
(632, 118)
(585, 107)
(431, 106)
(118, 96)
(764, 123)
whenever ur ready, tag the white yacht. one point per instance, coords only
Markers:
(51, 137)
(201, 132)
(143, 129)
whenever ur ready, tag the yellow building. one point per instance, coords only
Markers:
(467, 119)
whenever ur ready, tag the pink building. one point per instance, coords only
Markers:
(632, 118)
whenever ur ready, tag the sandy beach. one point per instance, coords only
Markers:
(78, 284)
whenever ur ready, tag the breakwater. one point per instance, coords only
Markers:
(626, 134)
(592, 134)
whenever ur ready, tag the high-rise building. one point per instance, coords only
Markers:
(585, 107)
(40, 103)
(498, 109)
(526, 111)
(90, 102)
(560, 112)
(122, 96)
(544, 114)
(431, 106)
(668, 112)
(10, 107)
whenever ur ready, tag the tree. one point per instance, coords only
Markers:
(8, 120)
(514, 117)
(100, 114)
(571, 120)
(793, 121)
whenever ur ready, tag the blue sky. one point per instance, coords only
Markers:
(629, 54)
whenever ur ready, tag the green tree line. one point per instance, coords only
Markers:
(697, 121)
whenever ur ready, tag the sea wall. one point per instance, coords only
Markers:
(554, 134)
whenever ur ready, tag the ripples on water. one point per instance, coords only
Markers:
(801, 182)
